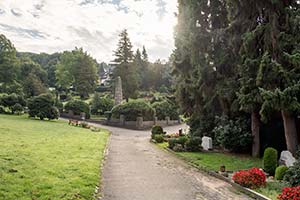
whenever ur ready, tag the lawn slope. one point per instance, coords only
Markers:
(48, 160)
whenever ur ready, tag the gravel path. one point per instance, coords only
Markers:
(135, 169)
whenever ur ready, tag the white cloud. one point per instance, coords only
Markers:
(57, 25)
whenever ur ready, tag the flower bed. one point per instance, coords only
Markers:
(252, 178)
(290, 193)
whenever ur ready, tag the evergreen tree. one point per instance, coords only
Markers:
(125, 67)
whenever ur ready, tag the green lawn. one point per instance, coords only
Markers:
(48, 160)
(213, 161)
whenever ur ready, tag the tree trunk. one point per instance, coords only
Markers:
(290, 131)
(255, 128)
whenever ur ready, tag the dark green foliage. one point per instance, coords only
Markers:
(166, 109)
(157, 130)
(133, 109)
(78, 106)
(9, 101)
(2, 110)
(42, 106)
(159, 138)
(100, 105)
(233, 135)
(270, 160)
(293, 173)
(193, 144)
(59, 105)
(182, 140)
(280, 172)
(17, 108)
(172, 142)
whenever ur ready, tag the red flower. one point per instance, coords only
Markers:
(252, 178)
(290, 193)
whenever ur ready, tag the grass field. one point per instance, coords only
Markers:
(48, 159)
(213, 161)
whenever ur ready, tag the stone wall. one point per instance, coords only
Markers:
(140, 124)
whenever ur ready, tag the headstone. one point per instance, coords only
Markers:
(118, 91)
(287, 158)
(139, 122)
(168, 120)
(122, 120)
(155, 120)
(206, 143)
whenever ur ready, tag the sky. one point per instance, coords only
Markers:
(57, 25)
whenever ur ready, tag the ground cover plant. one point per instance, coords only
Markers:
(48, 160)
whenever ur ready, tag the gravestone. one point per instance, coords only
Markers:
(70, 113)
(82, 116)
(287, 158)
(206, 143)
(118, 91)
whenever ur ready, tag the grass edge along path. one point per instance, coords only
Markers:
(49, 159)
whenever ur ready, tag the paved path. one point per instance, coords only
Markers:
(137, 170)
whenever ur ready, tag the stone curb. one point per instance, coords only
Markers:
(240, 188)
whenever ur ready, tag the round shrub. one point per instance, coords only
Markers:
(252, 178)
(182, 140)
(157, 130)
(100, 105)
(42, 106)
(166, 109)
(17, 108)
(280, 172)
(172, 142)
(159, 138)
(78, 106)
(270, 160)
(193, 144)
(133, 109)
(10, 100)
(290, 193)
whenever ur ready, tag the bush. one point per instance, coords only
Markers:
(292, 175)
(270, 160)
(2, 110)
(78, 106)
(280, 172)
(42, 106)
(182, 140)
(10, 100)
(17, 108)
(100, 105)
(166, 109)
(233, 135)
(252, 178)
(290, 193)
(157, 130)
(159, 138)
(172, 142)
(133, 109)
(193, 144)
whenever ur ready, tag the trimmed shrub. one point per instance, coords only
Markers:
(157, 130)
(42, 106)
(252, 178)
(292, 175)
(193, 144)
(78, 106)
(159, 138)
(100, 105)
(182, 140)
(166, 109)
(10, 100)
(270, 160)
(133, 109)
(17, 108)
(290, 193)
(280, 172)
(233, 135)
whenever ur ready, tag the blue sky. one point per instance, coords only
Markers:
(57, 25)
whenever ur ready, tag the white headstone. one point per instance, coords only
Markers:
(206, 143)
(287, 158)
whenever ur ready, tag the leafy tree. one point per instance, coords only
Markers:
(8, 64)
(125, 67)
(42, 106)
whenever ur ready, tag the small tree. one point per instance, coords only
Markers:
(43, 107)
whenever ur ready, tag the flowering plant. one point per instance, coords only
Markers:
(290, 193)
(252, 178)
